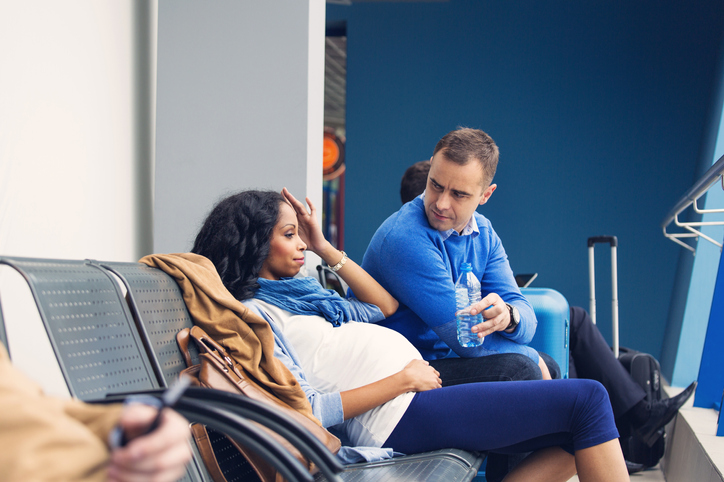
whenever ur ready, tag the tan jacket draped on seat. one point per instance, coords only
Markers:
(245, 335)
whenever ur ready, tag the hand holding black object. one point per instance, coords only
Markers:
(119, 438)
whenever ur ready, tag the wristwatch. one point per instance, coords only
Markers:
(514, 318)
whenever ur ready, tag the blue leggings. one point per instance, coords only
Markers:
(507, 417)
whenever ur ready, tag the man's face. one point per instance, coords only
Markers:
(453, 193)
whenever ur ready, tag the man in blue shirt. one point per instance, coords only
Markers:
(416, 255)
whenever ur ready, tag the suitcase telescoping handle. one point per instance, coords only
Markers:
(613, 241)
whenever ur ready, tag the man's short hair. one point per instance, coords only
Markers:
(414, 181)
(464, 144)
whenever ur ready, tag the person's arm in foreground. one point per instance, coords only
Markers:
(46, 438)
(161, 455)
(365, 287)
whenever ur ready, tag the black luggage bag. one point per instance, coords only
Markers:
(644, 368)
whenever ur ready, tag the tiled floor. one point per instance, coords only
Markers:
(696, 453)
(704, 423)
(652, 475)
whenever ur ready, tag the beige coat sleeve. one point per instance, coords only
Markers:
(42, 438)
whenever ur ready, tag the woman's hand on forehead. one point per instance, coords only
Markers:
(309, 228)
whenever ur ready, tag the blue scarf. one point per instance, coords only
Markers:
(304, 296)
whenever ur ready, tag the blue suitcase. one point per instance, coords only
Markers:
(554, 317)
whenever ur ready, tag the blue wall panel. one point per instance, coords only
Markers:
(711, 372)
(599, 109)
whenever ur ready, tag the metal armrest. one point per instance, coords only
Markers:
(296, 434)
(242, 430)
(247, 434)
(248, 409)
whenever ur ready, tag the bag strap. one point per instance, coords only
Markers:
(205, 342)
(182, 338)
(209, 346)
(206, 450)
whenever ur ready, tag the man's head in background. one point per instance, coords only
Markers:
(414, 181)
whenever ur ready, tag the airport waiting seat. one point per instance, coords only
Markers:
(101, 353)
(86, 321)
(158, 309)
(331, 280)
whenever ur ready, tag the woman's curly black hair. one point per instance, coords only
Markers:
(236, 237)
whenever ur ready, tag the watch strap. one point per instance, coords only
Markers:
(514, 322)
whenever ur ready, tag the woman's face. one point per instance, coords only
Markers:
(286, 249)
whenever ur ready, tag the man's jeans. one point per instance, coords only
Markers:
(493, 368)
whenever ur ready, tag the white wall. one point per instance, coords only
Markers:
(240, 105)
(69, 145)
(77, 102)
(76, 144)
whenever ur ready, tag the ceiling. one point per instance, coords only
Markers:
(350, 2)
(335, 83)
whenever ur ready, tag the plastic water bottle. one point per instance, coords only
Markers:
(467, 293)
